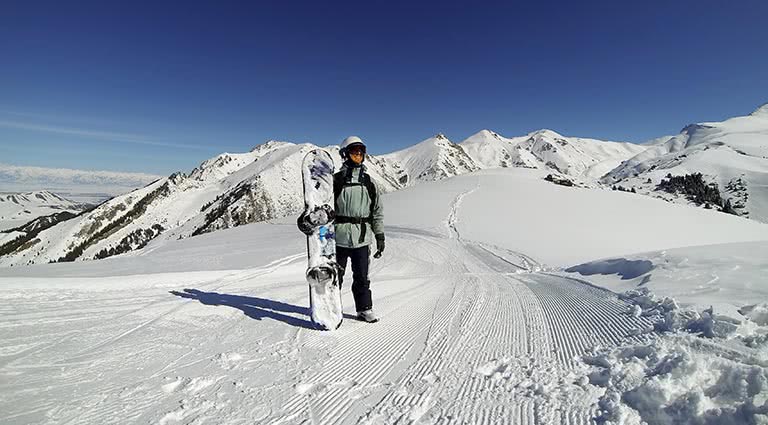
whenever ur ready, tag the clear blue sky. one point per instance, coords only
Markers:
(133, 86)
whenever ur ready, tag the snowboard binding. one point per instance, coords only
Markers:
(319, 277)
(309, 220)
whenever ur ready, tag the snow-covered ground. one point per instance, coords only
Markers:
(723, 275)
(562, 226)
(720, 295)
(480, 324)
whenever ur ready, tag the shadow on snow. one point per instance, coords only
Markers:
(253, 307)
(627, 269)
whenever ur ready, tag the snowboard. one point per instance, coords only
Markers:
(317, 223)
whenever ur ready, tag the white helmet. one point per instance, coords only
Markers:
(347, 143)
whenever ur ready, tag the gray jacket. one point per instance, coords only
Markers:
(354, 201)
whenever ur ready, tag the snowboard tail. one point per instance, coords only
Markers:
(325, 296)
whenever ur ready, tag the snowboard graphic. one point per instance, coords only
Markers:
(317, 223)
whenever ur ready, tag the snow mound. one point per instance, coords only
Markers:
(727, 276)
(670, 317)
(680, 377)
(627, 269)
(672, 381)
(757, 313)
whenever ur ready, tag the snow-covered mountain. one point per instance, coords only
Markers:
(129, 221)
(435, 158)
(225, 191)
(17, 209)
(586, 159)
(732, 154)
(234, 189)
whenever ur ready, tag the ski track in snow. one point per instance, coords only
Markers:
(469, 335)
(453, 216)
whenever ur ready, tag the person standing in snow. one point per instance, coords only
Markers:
(359, 221)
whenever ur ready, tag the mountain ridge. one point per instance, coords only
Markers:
(20, 208)
(731, 154)
(232, 189)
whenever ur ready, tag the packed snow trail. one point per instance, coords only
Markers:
(475, 342)
(466, 336)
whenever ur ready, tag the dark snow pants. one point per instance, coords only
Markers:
(361, 286)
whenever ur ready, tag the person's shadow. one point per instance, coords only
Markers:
(255, 308)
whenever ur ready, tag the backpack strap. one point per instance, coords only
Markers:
(372, 195)
(338, 186)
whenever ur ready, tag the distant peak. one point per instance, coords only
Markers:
(489, 133)
(693, 128)
(43, 193)
(762, 111)
(270, 144)
(545, 132)
(438, 139)
(177, 177)
(483, 136)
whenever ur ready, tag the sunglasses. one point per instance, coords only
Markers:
(357, 151)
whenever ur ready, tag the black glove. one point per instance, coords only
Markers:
(379, 245)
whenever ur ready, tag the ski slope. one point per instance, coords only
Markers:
(463, 334)
(215, 329)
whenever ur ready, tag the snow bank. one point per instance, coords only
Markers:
(757, 313)
(726, 276)
(627, 269)
(674, 381)
(670, 317)
(708, 356)
(702, 368)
